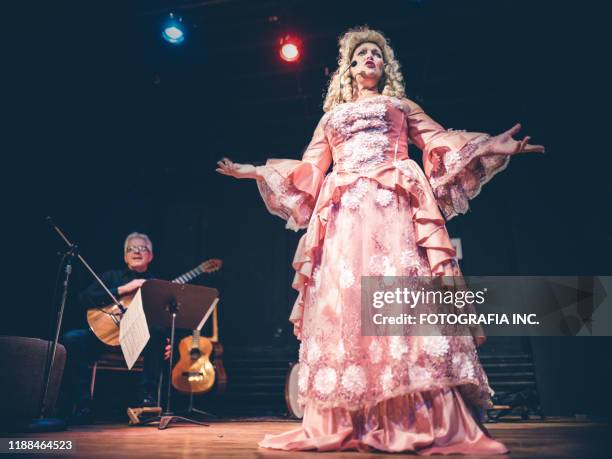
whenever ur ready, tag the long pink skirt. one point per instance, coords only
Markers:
(389, 393)
(426, 423)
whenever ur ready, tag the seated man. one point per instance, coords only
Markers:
(83, 347)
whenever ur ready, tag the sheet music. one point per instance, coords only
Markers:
(133, 331)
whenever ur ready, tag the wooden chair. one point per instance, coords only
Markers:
(113, 361)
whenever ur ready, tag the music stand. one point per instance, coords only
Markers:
(173, 305)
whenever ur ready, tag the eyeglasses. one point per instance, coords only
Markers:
(137, 249)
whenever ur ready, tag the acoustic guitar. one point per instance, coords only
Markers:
(104, 321)
(200, 366)
(194, 372)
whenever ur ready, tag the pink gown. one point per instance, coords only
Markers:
(376, 213)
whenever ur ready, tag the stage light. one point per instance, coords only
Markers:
(173, 30)
(290, 48)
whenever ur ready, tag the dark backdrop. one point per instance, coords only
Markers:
(112, 130)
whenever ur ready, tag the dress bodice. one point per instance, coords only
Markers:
(367, 134)
(369, 139)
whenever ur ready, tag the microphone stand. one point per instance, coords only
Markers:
(42, 424)
(89, 268)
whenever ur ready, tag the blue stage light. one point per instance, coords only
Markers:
(173, 30)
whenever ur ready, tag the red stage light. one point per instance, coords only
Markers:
(290, 48)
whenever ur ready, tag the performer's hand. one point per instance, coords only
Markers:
(167, 349)
(131, 286)
(504, 144)
(451, 279)
(479, 340)
(240, 171)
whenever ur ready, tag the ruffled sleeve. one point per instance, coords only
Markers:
(290, 187)
(456, 163)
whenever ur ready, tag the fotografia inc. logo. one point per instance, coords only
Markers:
(497, 305)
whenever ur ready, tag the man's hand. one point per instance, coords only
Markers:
(167, 349)
(131, 286)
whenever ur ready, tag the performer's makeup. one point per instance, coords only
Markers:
(369, 59)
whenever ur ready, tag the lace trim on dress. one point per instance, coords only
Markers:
(283, 199)
(352, 380)
(460, 175)
(363, 126)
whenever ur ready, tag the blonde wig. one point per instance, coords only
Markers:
(391, 82)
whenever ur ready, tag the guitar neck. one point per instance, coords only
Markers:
(188, 276)
(195, 342)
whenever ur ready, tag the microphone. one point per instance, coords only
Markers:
(353, 64)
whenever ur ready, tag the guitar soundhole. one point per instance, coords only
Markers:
(195, 354)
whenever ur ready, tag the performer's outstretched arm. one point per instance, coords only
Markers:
(459, 163)
(289, 187)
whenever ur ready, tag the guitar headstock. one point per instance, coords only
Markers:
(212, 265)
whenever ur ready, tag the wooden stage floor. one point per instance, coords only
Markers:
(557, 438)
